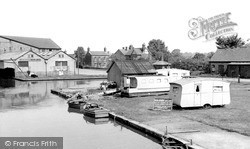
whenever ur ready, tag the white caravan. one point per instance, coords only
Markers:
(174, 74)
(145, 84)
(198, 92)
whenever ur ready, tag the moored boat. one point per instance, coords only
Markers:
(144, 85)
(94, 110)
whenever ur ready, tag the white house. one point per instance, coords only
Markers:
(198, 92)
(43, 63)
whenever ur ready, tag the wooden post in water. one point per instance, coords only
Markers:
(166, 132)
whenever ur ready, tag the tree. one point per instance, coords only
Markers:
(158, 50)
(199, 56)
(79, 54)
(229, 42)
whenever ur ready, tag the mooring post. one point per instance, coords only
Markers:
(191, 141)
(238, 78)
(166, 132)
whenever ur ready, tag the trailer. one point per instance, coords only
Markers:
(198, 92)
(174, 74)
(136, 85)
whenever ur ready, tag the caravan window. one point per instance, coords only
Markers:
(197, 88)
(133, 83)
(175, 89)
(217, 88)
(175, 74)
(151, 81)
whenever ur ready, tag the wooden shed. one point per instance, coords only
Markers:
(198, 92)
(119, 68)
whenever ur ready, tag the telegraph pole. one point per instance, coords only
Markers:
(78, 59)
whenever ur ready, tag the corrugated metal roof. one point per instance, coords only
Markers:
(41, 43)
(232, 55)
(134, 67)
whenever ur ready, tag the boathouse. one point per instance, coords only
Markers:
(231, 62)
(119, 68)
(43, 64)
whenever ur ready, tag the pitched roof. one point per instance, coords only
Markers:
(12, 55)
(123, 51)
(134, 67)
(232, 55)
(40, 43)
(99, 53)
(137, 51)
(48, 55)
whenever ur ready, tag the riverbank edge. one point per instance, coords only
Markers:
(82, 77)
(159, 135)
(155, 133)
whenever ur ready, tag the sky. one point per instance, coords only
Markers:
(118, 23)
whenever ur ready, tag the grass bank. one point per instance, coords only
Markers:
(233, 118)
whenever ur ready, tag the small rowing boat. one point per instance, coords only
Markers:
(76, 104)
(94, 110)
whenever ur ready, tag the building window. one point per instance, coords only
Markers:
(61, 55)
(61, 63)
(30, 55)
(23, 63)
(64, 63)
(10, 49)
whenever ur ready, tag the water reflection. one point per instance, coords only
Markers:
(96, 121)
(72, 110)
(46, 115)
(6, 83)
(19, 94)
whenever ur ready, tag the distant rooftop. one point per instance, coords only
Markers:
(40, 43)
(99, 53)
(232, 55)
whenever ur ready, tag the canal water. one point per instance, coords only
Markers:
(28, 109)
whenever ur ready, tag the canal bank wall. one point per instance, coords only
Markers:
(62, 78)
(167, 140)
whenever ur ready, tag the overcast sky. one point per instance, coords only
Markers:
(118, 23)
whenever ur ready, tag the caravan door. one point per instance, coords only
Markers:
(217, 95)
(197, 94)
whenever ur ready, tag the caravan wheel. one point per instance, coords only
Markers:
(207, 106)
